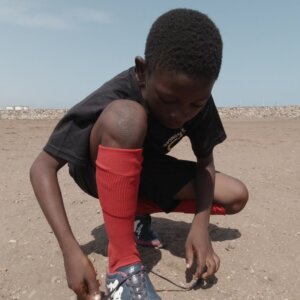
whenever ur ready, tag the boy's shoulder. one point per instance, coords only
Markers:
(77, 123)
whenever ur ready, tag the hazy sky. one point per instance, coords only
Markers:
(54, 53)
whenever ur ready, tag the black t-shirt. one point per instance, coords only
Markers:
(70, 138)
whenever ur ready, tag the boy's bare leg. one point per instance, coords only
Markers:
(119, 131)
(230, 197)
(229, 192)
(116, 140)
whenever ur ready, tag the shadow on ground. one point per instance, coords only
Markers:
(171, 232)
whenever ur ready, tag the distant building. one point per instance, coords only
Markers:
(18, 107)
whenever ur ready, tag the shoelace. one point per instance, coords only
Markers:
(198, 282)
(127, 278)
(195, 284)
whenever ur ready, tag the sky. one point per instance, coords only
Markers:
(55, 53)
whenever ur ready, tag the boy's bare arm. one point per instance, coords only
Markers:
(198, 241)
(80, 273)
(205, 184)
(43, 176)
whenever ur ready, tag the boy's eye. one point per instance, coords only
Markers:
(196, 105)
(199, 105)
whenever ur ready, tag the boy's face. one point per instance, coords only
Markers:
(175, 98)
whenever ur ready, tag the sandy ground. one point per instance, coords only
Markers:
(259, 248)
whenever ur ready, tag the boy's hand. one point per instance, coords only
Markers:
(198, 243)
(81, 276)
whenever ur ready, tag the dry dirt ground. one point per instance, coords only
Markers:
(259, 248)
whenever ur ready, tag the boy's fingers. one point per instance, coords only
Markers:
(81, 295)
(95, 297)
(189, 255)
(80, 292)
(93, 288)
(92, 284)
(201, 265)
(217, 260)
(211, 269)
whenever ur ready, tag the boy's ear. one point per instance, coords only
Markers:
(140, 69)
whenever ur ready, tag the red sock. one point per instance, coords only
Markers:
(186, 206)
(118, 177)
(217, 209)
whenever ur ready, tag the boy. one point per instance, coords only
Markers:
(115, 143)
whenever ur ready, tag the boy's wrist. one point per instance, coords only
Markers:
(68, 244)
(202, 218)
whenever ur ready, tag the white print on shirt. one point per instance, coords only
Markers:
(174, 139)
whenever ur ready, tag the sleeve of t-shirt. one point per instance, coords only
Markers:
(70, 140)
(207, 132)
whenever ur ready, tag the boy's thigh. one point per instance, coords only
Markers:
(163, 177)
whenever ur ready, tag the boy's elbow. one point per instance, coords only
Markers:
(40, 165)
(44, 164)
(34, 170)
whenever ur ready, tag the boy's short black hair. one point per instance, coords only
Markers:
(185, 40)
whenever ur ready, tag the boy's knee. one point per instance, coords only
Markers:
(241, 196)
(123, 124)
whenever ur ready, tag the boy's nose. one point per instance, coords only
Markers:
(180, 115)
(176, 117)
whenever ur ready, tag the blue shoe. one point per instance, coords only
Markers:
(144, 234)
(130, 283)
